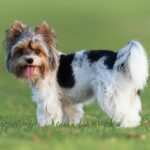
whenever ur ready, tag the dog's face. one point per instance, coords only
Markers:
(30, 54)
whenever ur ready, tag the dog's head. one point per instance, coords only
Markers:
(31, 54)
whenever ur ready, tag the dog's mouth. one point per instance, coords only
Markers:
(29, 71)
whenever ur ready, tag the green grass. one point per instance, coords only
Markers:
(79, 24)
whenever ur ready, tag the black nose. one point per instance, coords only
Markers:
(29, 60)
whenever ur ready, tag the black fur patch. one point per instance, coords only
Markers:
(95, 55)
(139, 92)
(65, 73)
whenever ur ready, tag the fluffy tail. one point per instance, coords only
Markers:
(132, 61)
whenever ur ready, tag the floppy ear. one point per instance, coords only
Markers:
(49, 36)
(47, 33)
(13, 33)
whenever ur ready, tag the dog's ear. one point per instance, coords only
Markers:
(13, 33)
(48, 34)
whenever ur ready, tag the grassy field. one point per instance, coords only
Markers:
(79, 24)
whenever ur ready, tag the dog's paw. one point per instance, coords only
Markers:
(130, 123)
(74, 121)
(49, 119)
(54, 118)
(41, 121)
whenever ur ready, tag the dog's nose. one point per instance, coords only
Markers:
(29, 60)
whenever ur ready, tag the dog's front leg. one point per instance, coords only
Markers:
(49, 112)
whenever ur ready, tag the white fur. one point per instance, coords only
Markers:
(135, 60)
(115, 90)
(46, 96)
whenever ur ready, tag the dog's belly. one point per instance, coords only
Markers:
(77, 95)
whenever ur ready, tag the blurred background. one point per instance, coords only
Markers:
(79, 24)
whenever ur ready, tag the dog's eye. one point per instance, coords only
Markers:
(37, 51)
(20, 51)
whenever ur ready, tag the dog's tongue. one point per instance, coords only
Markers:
(29, 71)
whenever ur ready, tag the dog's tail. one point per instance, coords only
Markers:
(132, 61)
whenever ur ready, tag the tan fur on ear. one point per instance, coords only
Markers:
(19, 26)
(49, 36)
(14, 32)
(47, 33)
(42, 28)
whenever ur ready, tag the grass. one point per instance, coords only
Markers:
(79, 24)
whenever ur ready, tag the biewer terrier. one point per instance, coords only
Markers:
(62, 83)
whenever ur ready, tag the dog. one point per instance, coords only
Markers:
(62, 83)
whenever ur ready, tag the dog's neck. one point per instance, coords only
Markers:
(50, 78)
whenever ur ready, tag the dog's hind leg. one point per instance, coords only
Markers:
(122, 106)
(128, 111)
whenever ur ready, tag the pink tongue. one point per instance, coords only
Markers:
(29, 71)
